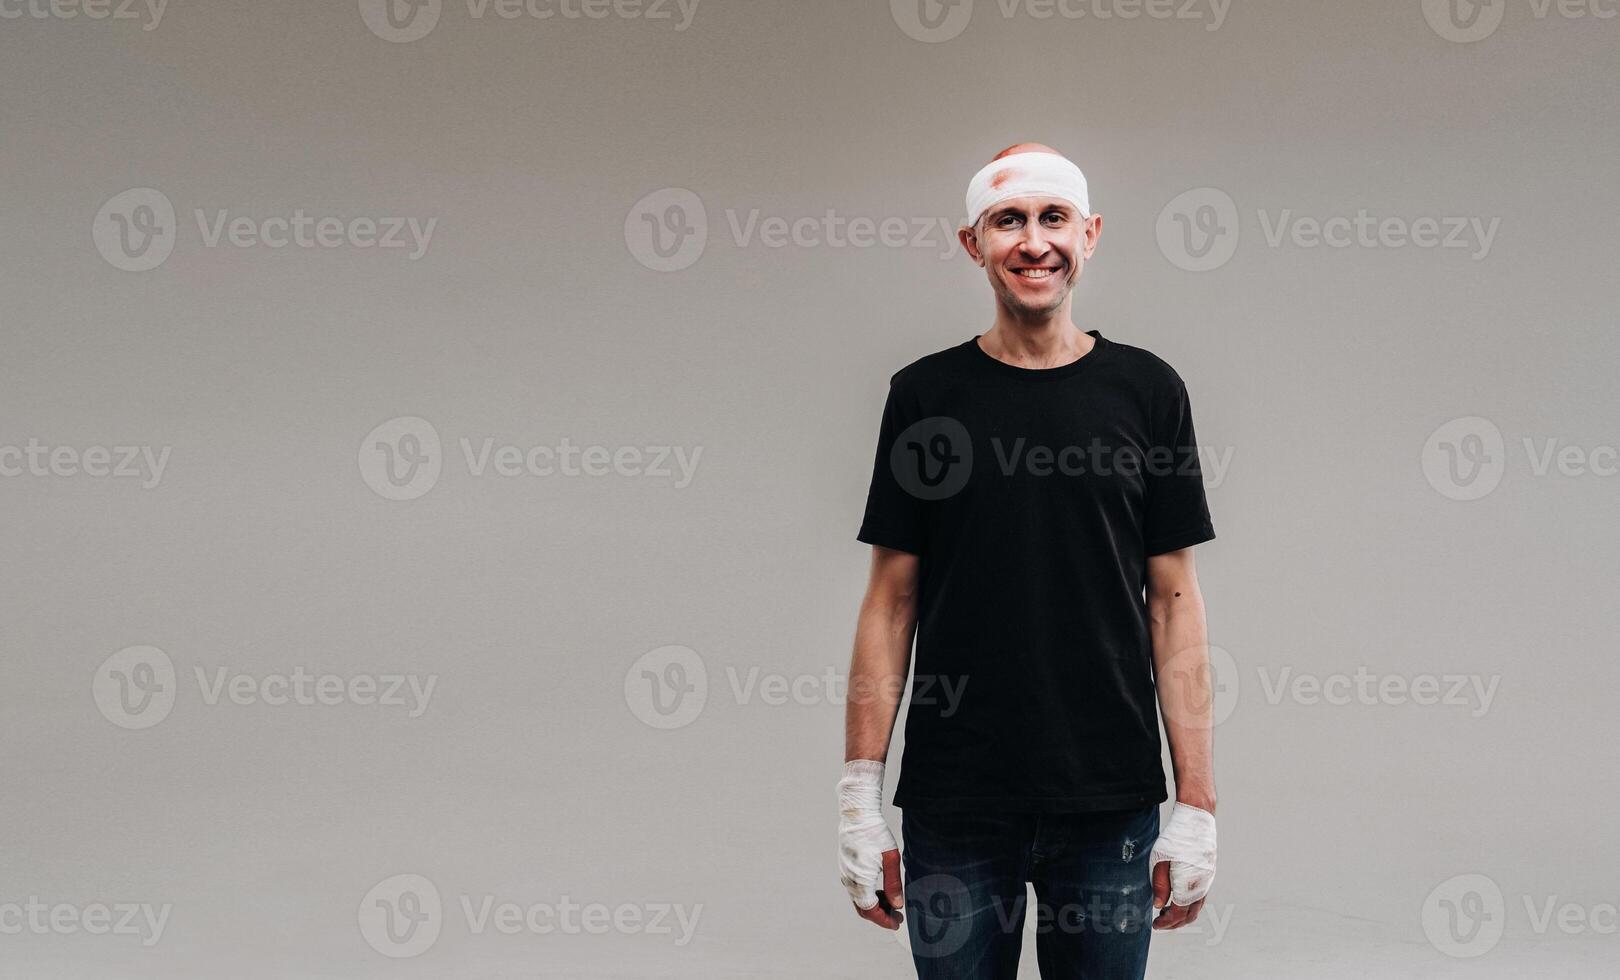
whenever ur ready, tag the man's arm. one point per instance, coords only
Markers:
(1181, 664)
(1181, 668)
(869, 858)
(882, 658)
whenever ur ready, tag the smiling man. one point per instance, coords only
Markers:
(1032, 512)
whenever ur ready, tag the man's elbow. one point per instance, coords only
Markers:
(1172, 598)
(1172, 585)
(893, 610)
(1160, 609)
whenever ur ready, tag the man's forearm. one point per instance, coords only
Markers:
(877, 675)
(1181, 662)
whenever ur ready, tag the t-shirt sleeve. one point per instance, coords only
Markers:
(1177, 512)
(894, 516)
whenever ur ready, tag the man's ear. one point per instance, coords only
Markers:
(970, 243)
(1093, 232)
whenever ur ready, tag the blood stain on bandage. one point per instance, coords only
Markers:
(1001, 178)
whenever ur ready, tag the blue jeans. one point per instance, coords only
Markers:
(965, 896)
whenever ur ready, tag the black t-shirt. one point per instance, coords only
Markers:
(1033, 498)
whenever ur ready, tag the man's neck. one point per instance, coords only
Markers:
(1048, 343)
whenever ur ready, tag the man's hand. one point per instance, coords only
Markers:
(1183, 861)
(868, 856)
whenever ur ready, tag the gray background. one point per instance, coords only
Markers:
(530, 319)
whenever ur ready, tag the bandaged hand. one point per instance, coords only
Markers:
(1187, 844)
(868, 855)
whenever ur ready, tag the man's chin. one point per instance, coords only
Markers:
(1024, 305)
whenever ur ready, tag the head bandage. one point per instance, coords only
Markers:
(1027, 175)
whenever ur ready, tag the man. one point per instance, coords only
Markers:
(1033, 507)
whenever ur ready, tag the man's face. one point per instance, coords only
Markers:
(1033, 249)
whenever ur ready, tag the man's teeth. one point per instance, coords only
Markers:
(1035, 273)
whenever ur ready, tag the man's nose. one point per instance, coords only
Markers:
(1033, 244)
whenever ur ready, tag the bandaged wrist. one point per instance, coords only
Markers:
(863, 835)
(862, 784)
(1187, 841)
